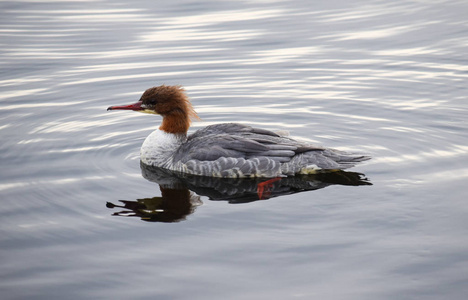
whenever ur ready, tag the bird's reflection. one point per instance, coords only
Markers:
(173, 205)
(180, 193)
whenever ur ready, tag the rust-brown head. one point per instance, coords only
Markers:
(170, 102)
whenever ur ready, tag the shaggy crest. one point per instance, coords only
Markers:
(173, 104)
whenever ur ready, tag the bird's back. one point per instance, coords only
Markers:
(236, 150)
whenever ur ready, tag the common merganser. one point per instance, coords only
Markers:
(225, 150)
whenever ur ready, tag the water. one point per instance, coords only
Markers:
(387, 78)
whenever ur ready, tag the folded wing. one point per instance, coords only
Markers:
(231, 150)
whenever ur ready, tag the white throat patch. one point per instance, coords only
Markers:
(159, 147)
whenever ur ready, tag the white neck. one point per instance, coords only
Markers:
(159, 147)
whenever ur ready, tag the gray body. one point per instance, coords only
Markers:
(236, 150)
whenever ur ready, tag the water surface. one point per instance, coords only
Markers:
(386, 78)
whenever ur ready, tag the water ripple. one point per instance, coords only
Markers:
(388, 78)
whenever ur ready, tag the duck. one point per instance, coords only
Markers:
(227, 150)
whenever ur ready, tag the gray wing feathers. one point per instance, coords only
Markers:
(235, 140)
(213, 147)
(331, 159)
(236, 150)
(345, 159)
(231, 128)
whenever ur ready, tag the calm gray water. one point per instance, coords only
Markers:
(384, 77)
